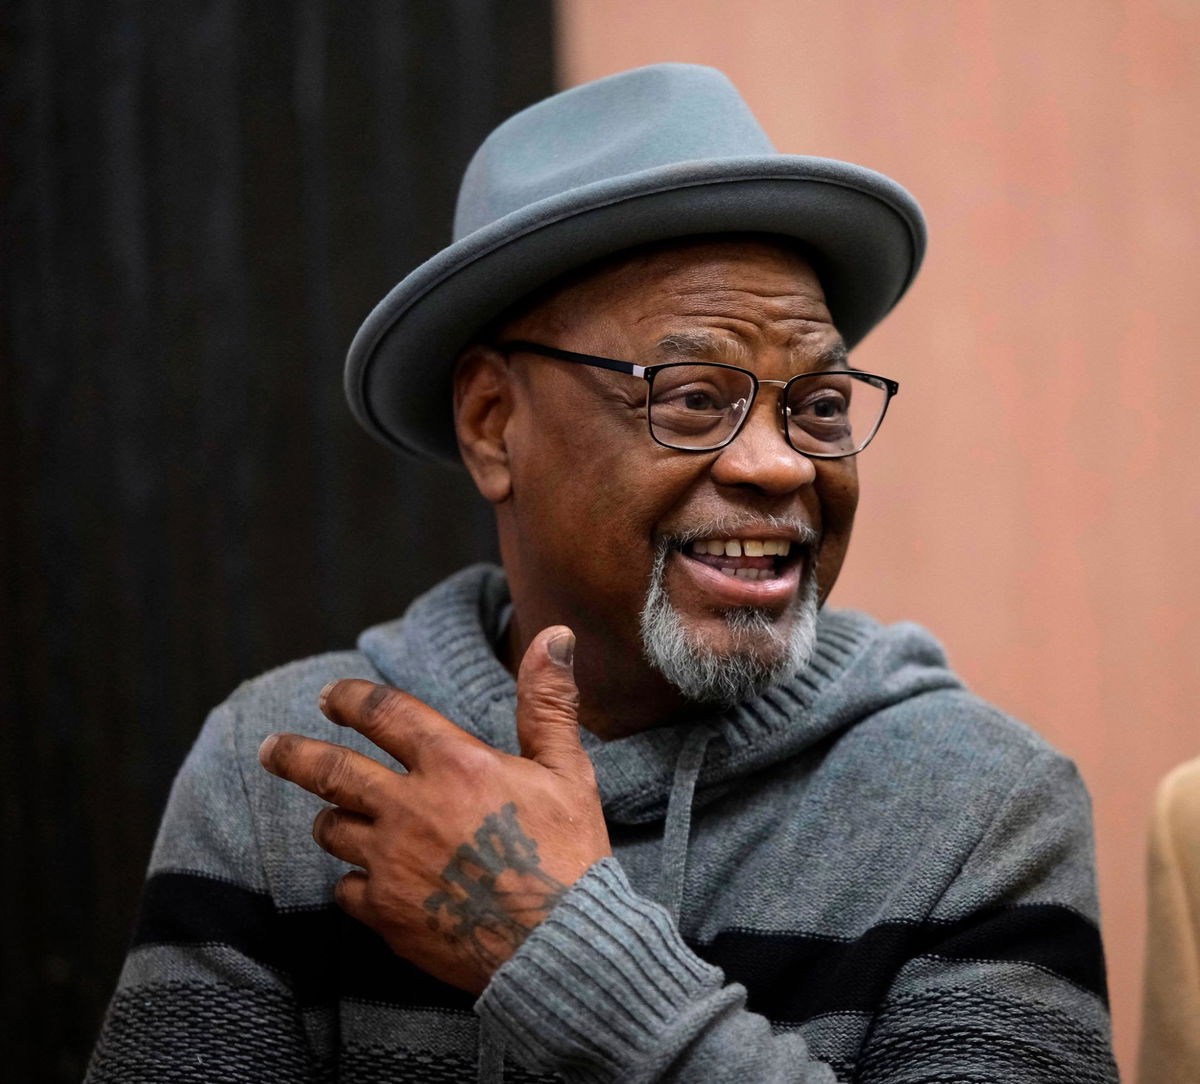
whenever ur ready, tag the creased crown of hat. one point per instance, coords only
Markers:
(665, 151)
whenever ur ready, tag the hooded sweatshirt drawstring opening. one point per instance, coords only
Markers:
(677, 829)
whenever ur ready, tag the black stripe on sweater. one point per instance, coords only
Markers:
(855, 975)
(324, 952)
(789, 977)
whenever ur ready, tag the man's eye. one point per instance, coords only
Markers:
(692, 399)
(827, 406)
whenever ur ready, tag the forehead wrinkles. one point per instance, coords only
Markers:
(791, 291)
(786, 313)
(811, 342)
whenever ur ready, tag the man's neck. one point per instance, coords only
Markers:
(619, 693)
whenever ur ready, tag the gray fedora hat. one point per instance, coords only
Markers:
(665, 151)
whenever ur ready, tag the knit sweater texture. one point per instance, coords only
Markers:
(866, 873)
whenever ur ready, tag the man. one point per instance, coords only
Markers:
(711, 830)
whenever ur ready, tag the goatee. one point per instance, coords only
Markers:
(765, 648)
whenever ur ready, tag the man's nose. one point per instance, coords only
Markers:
(760, 455)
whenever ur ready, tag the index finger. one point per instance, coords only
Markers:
(400, 724)
(331, 772)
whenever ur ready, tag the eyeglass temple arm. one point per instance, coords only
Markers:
(514, 346)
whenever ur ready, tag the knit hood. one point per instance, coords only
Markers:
(442, 650)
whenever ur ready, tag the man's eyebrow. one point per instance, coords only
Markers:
(700, 345)
(833, 356)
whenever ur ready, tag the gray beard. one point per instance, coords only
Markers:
(762, 653)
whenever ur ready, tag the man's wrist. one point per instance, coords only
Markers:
(600, 979)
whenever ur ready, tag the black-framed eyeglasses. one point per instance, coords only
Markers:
(696, 406)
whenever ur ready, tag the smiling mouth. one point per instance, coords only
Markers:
(747, 559)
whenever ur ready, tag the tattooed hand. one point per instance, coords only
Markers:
(465, 854)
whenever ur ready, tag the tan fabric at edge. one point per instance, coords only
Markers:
(1170, 1048)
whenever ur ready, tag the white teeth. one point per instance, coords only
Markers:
(737, 547)
(729, 571)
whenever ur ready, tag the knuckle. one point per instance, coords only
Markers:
(564, 700)
(371, 794)
(329, 772)
(379, 705)
(556, 700)
(424, 742)
(326, 828)
(474, 764)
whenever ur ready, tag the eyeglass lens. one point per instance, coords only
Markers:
(702, 406)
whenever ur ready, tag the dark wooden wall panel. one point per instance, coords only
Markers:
(198, 204)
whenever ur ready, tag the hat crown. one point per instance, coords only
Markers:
(634, 121)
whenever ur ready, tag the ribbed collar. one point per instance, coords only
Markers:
(442, 651)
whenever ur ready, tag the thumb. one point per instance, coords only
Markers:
(548, 702)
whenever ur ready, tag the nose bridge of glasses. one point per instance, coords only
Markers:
(777, 417)
(781, 405)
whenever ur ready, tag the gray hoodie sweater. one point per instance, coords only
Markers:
(864, 874)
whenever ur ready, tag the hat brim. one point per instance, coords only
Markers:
(867, 232)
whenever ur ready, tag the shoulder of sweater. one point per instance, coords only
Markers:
(231, 821)
(951, 734)
(965, 713)
(918, 701)
(286, 697)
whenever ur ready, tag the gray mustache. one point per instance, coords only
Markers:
(733, 525)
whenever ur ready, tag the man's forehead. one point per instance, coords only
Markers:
(699, 265)
(704, 344)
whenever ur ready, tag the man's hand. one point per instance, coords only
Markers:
(465, 854)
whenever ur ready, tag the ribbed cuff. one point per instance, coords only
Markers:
(603, 985)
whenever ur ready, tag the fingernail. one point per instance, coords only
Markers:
(268, 744)
(562, 649)
(323, 695)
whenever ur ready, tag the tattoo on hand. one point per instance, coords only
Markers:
(498, 890)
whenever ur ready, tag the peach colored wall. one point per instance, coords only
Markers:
(1033, 497)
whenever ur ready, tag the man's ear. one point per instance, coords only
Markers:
(482, 407)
